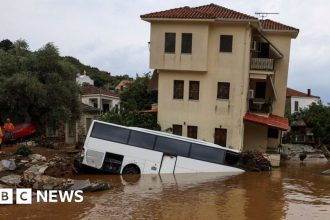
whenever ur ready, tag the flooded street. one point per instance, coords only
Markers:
(295, 191)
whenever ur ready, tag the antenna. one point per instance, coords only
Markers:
(263, 15)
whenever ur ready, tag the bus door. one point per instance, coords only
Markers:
(168, 163)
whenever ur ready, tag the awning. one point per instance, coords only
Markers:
(271, 121)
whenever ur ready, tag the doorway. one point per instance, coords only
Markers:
(220, 137)
(168, 164)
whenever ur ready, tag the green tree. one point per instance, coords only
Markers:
(133, 119)
(317, 116)
(136, 96)
(6, 45)
(37, 86)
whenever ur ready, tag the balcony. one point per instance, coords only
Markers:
(262, 64)
(260, 106)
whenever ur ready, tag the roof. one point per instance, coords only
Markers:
(93, 90)
(210, 11)
(276, 26)
(87, 108)
(292, 92)
(271, 120)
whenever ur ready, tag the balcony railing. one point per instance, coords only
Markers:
(262, 64)
(260, 106)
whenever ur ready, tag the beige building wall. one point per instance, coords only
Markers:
(282, 42)
(196, 61)
(208, 112)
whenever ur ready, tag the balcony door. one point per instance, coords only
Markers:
(260, 90)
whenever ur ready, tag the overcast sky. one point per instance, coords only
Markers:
(111, 36)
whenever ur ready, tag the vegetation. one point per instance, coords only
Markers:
(24, 150)
(317, 116)
(135, 98)
(37, 85)
(133, 119)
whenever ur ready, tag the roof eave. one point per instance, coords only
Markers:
(292, 33)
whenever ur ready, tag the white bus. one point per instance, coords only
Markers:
(128, 150)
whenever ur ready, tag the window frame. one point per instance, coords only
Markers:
(224, 47)
(194, 132)
(186, 46)
(273, 133)
(221, 96)
(170, 42)
(178, 95)
(177, 125)
(296, 106)
(194, 95)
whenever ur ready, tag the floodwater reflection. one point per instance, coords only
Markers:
(291, 192)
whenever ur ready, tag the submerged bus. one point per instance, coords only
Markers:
(128, 150)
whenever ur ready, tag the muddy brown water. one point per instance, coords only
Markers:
(294, 191)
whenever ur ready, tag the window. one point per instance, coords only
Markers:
(223, 90)
(140, 139)
(172, 146)
(93, 102)
(178, 89)
(186, 43)
(194, 90)
(192, 131)
(177, 129)
(51, 130)
(210, 154)
(169, 42)
(272, 133)
(226, 43)
(296, 106)
(110, 133)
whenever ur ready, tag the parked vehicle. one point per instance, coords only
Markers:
(127, 150)
(22, 131)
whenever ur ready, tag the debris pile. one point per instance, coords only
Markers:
(40, 173)
(254, 161)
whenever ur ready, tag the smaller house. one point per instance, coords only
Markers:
(99, 98)
(84, 79)
(122, 85)
(296, 100)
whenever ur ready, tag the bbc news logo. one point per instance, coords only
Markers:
(24, 196)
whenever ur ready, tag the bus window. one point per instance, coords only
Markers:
(140, 139)
(110, 133)
(172, 146)
(210, 154)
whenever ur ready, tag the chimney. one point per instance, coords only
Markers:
(309, 92)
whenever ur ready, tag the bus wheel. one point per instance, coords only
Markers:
(131, 169)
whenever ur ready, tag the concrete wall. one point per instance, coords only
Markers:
(255, 137)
